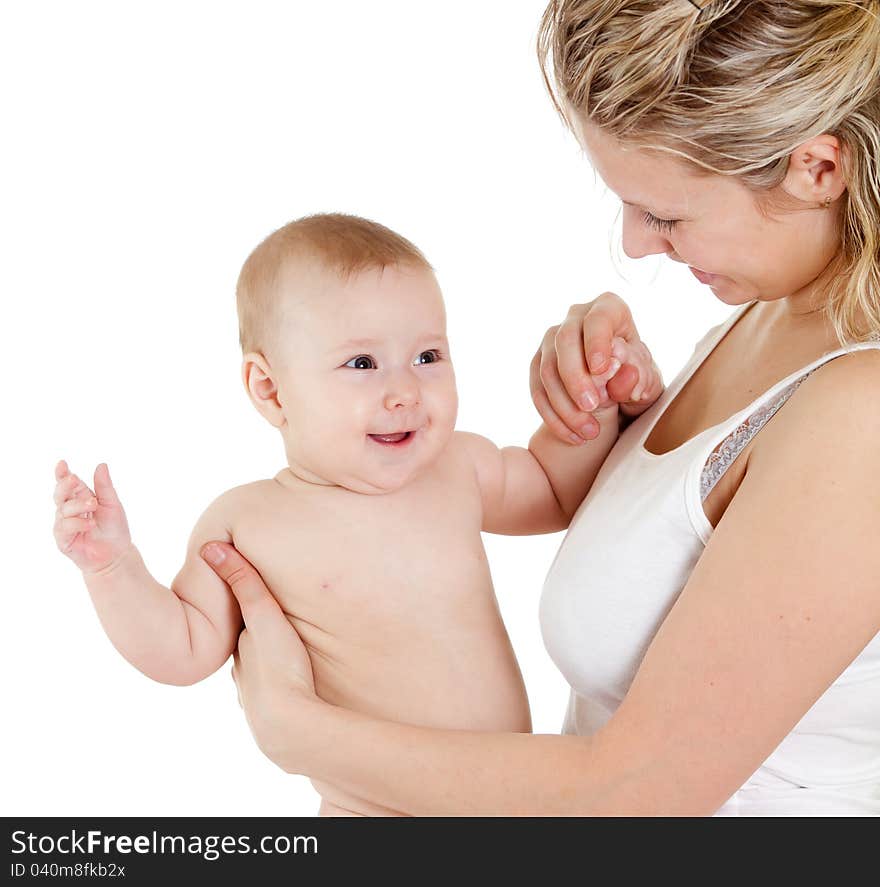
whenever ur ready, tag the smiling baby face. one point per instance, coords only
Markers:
(364, 377)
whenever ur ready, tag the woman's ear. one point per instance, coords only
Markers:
(259, 381)
(815, 170)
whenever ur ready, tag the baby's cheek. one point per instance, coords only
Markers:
(444, 403)
(444, 420)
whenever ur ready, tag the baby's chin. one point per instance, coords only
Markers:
(383, 466)
(375, 483)
(380, 482)
(378, 488)
(368, 482)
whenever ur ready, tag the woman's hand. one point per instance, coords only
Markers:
(593, 359)
(271, 666)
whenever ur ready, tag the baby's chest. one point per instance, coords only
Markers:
(355, 560)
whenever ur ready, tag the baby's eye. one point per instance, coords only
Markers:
(362, 362)
(431, 356)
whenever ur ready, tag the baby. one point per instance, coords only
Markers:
(370, 536)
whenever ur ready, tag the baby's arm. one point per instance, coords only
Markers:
(538, 490)
(176, 635)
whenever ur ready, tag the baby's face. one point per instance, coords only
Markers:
(365, 379)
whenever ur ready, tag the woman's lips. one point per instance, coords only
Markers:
(702, 276)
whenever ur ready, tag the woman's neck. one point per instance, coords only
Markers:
(812, 298)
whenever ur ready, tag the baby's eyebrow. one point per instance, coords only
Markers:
(368, 343)
(356, 343)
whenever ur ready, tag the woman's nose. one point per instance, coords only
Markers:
(639, 240)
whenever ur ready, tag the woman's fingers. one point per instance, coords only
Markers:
(585, 346)
(594, 356)
(605, 318)
(565, 361)
(262, 615)
(270, 654)
(234, 673)
(561, 415)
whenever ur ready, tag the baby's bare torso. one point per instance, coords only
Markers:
(392, 596)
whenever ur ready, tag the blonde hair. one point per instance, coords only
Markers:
(733, 89)
(341, 244)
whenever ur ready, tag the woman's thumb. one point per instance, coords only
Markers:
(259, 609)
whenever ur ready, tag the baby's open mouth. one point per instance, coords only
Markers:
(392, 439)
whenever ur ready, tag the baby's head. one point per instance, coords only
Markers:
(343, 331)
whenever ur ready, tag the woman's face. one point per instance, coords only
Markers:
(713, 224)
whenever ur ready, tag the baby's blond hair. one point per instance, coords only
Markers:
(733, 89)
(341, 244)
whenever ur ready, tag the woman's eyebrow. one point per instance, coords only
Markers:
(655, 212)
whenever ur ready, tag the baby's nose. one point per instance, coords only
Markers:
(403, 391)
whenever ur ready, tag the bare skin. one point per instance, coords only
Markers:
(781, 601)
(371, 544)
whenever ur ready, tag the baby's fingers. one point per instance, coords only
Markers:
(68, 486)
(104, 490)
(67, 528)
(650, 383)
(80, 506)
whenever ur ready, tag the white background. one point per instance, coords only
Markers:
(148, 147)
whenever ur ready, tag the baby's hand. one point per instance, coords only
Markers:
(90, 528)
(591, 361)
(627, 390)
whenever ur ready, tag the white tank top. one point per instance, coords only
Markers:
(626, 557)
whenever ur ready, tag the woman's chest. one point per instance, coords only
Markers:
(734, 376)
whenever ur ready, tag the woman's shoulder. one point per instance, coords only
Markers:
(834, 413)
(846, 385)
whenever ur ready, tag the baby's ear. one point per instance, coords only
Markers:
(259, 382)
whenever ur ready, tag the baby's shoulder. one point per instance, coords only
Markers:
(239, 503)
(464, 451)
(473, 449)
(469, 457)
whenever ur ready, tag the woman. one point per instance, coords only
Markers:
(723, 646)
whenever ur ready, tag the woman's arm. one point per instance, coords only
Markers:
(783, 599)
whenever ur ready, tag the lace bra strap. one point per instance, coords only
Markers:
(727, 451)
(725, 454)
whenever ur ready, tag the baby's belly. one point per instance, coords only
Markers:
(443, 678)
(425, 671)
(442, 661)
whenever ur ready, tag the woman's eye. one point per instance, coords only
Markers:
(431, 356)
(362, 362)
(664, 225)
